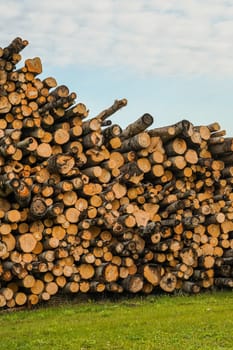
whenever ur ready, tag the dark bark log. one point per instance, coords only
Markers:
(15, 46)
(184, 128)
(138, 126)
(118, 104)
(61, 163)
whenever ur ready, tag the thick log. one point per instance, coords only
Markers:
(86, 271)
(166, 133)
(137, 127)
(61, 163)
(221, 148)
(93, 139)
(34, 65)
(168, 282)
(152, 274)
(107, 273)
(133, 283)
(27, 242)
(175, 147)
(135, 143)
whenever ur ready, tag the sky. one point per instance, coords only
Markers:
(170, 58)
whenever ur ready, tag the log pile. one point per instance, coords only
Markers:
(87, 207)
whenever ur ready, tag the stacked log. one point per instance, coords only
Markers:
(89, 207)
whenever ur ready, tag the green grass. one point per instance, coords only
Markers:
(201, 322)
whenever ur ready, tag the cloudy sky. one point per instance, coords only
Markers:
(170, 58)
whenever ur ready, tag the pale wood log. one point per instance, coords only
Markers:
(178, 162)
(7, 294)
(204, 131)
(96, 286)
(28, 281)
(206, 261)
(33, 299)
(5, 105)
(20, 298)
(12, 216)
(92, 189)
(176, 146)
(71, 287)
(216, 218)
(107, 272)
(60, 91)
(144, 165)
(3, 77)
(31, 92)
(51, 288)
(92, 172)
(90, 125)
(38, 287)
(34, 65)
(49, 82)
(156, 157)
(61, 136)
(152, 274)
(114, 143)
(135, 143)
(105, 176)
(86, 271)
(27, 242)
(133, 283)
(84, 286)
(14, 98)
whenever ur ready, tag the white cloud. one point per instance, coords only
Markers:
(176, 37)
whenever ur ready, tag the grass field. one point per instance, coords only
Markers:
(199, 322)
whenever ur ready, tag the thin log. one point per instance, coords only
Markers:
(118, 104)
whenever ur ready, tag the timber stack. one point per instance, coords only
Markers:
(89, 207)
